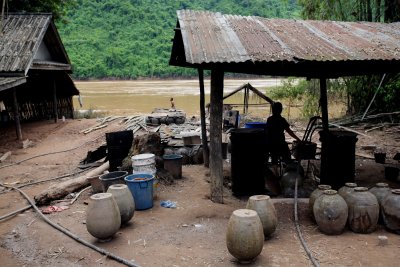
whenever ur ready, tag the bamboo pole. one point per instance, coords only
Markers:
(204, 141)
(55, 100)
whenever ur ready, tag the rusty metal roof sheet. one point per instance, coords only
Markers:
(21, 37)
(217, 38)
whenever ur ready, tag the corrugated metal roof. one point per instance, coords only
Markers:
(217, 38)
(20, 40)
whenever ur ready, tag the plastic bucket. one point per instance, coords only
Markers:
(110, 178)
(256, 125)
(141, 187)
(173, 164)
(143, 159)
(146, 163)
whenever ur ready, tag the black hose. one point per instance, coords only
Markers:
(296, 222)
(15, 212)
(73, 236)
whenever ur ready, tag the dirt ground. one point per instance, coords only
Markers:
(193, 234)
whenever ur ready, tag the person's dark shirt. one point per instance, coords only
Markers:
(276, 126)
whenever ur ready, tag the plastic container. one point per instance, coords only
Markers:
(173, 164)
(143, 159)
(141, 187)
(146, 163)
(110, 178)
(256, 125)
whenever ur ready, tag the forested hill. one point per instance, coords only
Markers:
(128, 39)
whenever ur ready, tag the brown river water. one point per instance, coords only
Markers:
(142, 96)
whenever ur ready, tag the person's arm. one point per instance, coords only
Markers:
(292, 134)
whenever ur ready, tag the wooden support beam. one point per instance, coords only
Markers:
(16, 115)
(204, 141)
(55, 100)
(216, 107)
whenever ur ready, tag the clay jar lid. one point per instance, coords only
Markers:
(245, 213)
(360, 189)
(396, 191)
(330, 192)
(382, 185)
(260, 197)
(352, 185)
(101, 196)
(324, 187)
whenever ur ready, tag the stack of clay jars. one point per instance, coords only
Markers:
(329, 210)
(106, 212)
(247, 228)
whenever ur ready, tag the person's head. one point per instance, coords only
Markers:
(171, 99)
(277, 108)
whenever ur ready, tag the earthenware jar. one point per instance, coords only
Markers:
(380, 190)
(391, 211)
(288, 182)
(265, 209)
(330, 212)
(345, 190)
(363, 211)
(315, 194)
(125, 202)
(244, 236)
(102, 216)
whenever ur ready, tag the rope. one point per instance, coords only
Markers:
(296, 222)
(50, 153)
(73, 236)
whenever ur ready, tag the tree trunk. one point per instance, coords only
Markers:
(217, 87)
(368, 10)
(206, 153)
(378, 11)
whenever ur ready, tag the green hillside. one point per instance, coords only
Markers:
(128, 39)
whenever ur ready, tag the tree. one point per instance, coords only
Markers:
(57, 7)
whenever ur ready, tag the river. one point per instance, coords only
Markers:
(142, 96)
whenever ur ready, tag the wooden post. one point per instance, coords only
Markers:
(324, 104)
(204, 141)
(216, 171)
(16, 115)
(55, 100)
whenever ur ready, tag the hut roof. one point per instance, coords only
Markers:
(31, 41)
(285, 47)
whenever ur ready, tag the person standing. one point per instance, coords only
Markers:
(172, 103)
(276, 127)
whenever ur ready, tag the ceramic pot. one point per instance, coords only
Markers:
(380, 190)
(330, 212)
(315, 194)
(244, 236)
(391, 211)
(265, 209)
(288, 182)
(124, 199)
(345, 190)
(102, 216)
(363, 211)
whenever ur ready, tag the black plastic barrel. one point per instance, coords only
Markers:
(248, 161)
(118, 145)
(338, 156)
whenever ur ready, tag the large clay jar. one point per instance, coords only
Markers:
(102, 216)
(244, 236)
(125, 201)
(363, 211)
(346, 190)
(330, 212)
(380, 191)
(391, 211)
(265, 209)
(315, 194)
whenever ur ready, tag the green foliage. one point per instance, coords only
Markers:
(360, 90)
(57, 7)
(130, 39)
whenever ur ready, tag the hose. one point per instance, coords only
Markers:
(15, 212)
(73, 236)
(296, 222)
(50, 153)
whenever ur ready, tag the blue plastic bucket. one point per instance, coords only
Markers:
(256, 124)
(141, 187)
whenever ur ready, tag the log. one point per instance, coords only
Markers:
(60, 190)
(5, 156)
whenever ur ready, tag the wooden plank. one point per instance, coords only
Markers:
(16, 115)
(204, 141)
